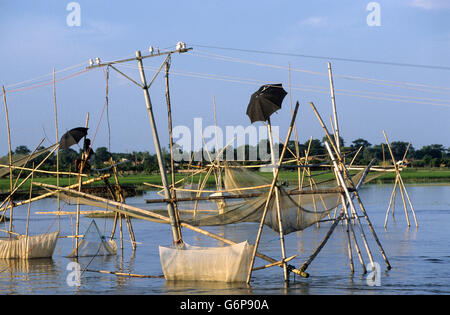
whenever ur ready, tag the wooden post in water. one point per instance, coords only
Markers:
(169, 120)
(170, 208)
(77, 224)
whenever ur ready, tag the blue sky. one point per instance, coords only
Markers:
(36, 38)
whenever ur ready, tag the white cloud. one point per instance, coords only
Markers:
(314, 21)
(431, 4)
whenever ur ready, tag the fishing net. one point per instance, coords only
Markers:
(25, 247)
(192, 263)
(247, 193)
(93, 243)
(19, 160)
(298, 211)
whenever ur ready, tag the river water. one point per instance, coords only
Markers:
(420, 257)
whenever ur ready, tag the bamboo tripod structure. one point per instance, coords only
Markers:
(401, 185)
(344, 179)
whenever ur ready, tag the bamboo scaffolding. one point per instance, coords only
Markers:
(8, 198)
(332, 227)
(145, 214)
(347, 175)
(48, 194)
(269, 195)
(402, 187)
(342, 183)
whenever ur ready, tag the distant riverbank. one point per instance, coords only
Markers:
(409, 175)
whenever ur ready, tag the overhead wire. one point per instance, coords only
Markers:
(309, 88)
(378, 62)
(398, 84)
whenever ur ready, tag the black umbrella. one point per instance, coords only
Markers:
(72, 137)
(265, 102)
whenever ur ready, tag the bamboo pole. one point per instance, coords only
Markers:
(333, 101)
(277, 204)
(269, 195)
(297, 148)
(390, 201)
(83, 161)
(41, 171)
(170, 208)
(347, 227)
(344, 186)
(278, 263)
(344, 169)
(169, 118)
(29, 208)
(124, 274)
(409, 201)
(144, 214)
(397, 174)
(249, 195)
(217, 158)
(400, 182)
(10, 160)
(121, 198)
(57, 140)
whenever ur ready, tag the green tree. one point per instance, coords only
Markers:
(101, 155)
(22, 149)
(360, 142)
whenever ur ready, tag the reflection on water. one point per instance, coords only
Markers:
(420, 257)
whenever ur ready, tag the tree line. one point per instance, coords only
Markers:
(433, 155)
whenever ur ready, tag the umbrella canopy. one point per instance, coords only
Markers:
(72, 137)
(265, 102)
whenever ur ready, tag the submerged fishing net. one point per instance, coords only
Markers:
(93, 243)
(32, 246)
(297, 211)
(226, 264)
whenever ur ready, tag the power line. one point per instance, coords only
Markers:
(388, 63)
(398, 84)
(309, 88)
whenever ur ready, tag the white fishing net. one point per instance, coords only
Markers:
(192, 263)
(25, 247)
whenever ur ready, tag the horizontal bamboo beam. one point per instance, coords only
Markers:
(89, 181)
(278, 263)
(41, 171)
(252, 195)
(124, 274)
